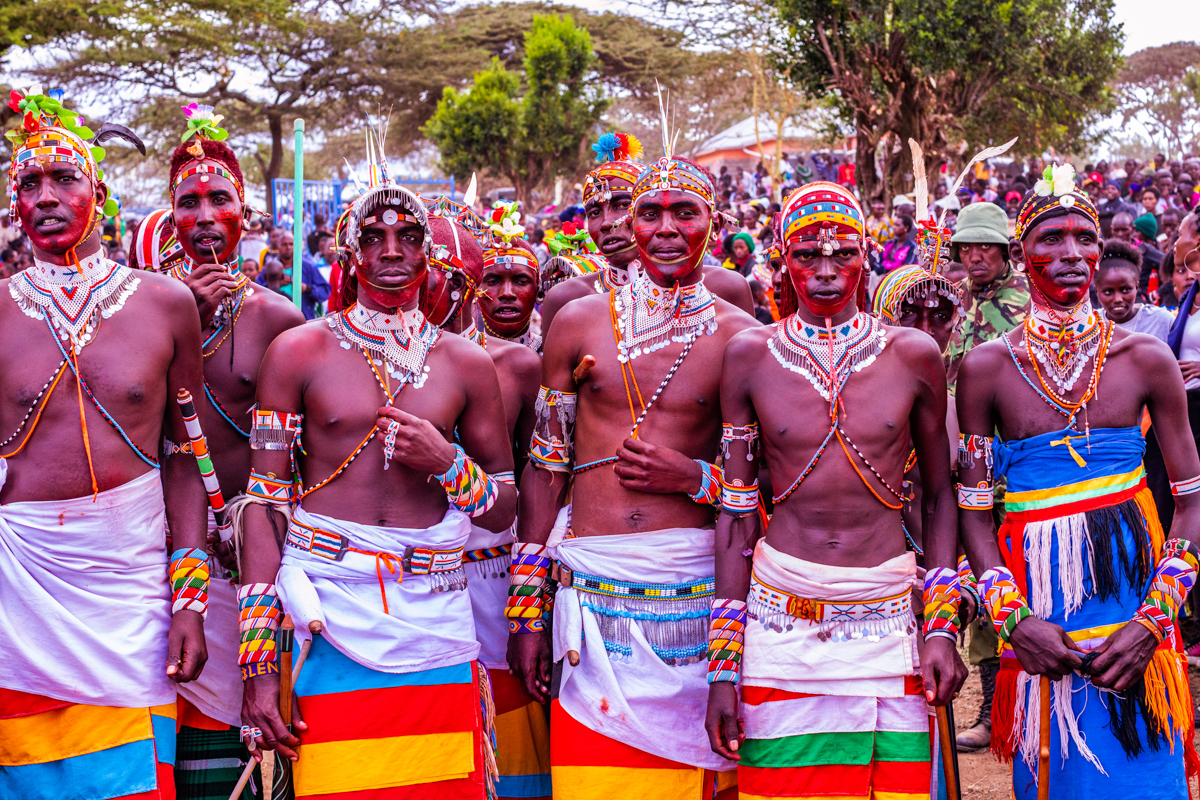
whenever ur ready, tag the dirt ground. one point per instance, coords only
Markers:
(983, 777)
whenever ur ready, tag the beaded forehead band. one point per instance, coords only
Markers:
(822, 212)
(671, 174)
(507, 258)
(206, 168)
(1054, 196)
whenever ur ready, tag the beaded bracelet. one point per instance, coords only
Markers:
(738, 499)
(1189, 486)
(270, 488)
(467, 486)
(710, 484)
(942, 597)
(258, 620)
(726, 640)
(527, 588)
(968, 585)
(189, 581)
(1005, 603)
(1173, 581)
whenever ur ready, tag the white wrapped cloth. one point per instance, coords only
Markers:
(83, 590)
(487, 585)
(637, 699)
(218, 690)
(424, 629)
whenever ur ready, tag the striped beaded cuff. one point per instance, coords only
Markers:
(271, 489)
(189, 581)
(1004, 601)
(1173, 580)
(468, 487)
(738, 499)
(274, 430)
(976, 498)
(258, 619)
(527, 588)
(710, 484)
(1189, 486)
(726, 640)
(942, 596)
(968, 585)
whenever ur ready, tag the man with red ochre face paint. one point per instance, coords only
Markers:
(1078, 581)
(456, 265)
(607, 195)
(405, 447)
(92, 355)
(835, 401)
(508, 292)
(638, 432)
(239, 322)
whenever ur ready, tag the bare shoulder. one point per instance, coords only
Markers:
(301, 345)
(516, 359)
(582, 313)
(732, 318)
(571, 289)
(276, 310)
(748, 345)
(166, 290)
(985, 359)
(910, 343)
(717, 278)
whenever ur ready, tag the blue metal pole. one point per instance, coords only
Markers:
(298, 215)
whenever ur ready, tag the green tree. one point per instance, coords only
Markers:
(940, 72)
(1159, 85)
(528, 138)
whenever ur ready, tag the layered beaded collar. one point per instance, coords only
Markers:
(75, 297)
(1064, 342)
(475, 335)
(650, 317)
(613, 277)
(826, 356)
(399, 341)
(228, 313)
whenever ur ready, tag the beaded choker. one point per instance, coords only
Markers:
(1063, 342)
(401, 341)
(525, 337)
(70, 297)
(825, 356)
(231, 307)
(650, 317)
(475, 335)
(613, 277)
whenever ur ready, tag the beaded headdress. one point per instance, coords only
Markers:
(1054, 196)
(383, 199)
(823, 212)
(202, 126)
(573, 253)
(618, 155)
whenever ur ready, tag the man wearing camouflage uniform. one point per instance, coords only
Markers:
(996, 299)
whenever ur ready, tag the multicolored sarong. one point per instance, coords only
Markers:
(56, 750)
(830, 699)
(209, 756)
(1081, 535)
(590, 766)
(391, 736)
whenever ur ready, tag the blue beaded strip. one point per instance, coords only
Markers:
(651, 591)
(212, 398)
(594, 464)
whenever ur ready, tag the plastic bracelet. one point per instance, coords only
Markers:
(1173, 581)
(942, 596)
(726, 640)
(738, 499)
(527, 588)
(710, 484)
(258, 620)
(1005, 603)
(270, 488)
(189, 581)
(467, 486)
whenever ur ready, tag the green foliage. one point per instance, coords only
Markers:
(1162, 85)
(526, 138)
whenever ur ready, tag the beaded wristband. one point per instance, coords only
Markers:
(726, 640)
(738, 499)
(258, 620)
(1189, 486)
(1173, 580)
(274, 430)
(968, 585)
(270, 489)
(527, 588)
(977, 498)
(467, 486)
(189, 581)
(1004, 601)
(942, 596)
(710, 484)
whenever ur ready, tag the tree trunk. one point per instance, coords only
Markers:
(869, 187)
(275, 122)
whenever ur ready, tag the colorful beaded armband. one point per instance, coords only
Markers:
(710, 484)
(726, 640)
(942, 596)
(553, 430)
(1189, 486)
(467, 486)
(274, 430)
(968, 585)
(270, 489)
(977, 498)
(1005, 603)
(259, 615)
(740, 433)
(738, 499)
(1173, 581)
(189, 581)
(527, 588)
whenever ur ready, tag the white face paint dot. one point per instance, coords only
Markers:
(390, 217)
(78, 175)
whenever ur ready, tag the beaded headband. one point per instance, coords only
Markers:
(1054, 196)
(596, 184)
(206, 167)
(816, 207)
(671, 174)
(912, 283)
(509, 257)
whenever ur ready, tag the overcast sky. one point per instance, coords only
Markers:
(1153, 22)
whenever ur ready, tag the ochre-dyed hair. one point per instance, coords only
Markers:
(213, 151)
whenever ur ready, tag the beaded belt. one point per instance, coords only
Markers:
(595, 584)
(487, 553)
(334, 546)
(777, 609)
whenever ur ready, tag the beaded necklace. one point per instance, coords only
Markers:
(399, 341)
(1062, 406)
(613, 276)
(821, 355)
(231, 307)
(650, 317)
(75, 297)
(1064, 343)
(525, 337)
(475, 335)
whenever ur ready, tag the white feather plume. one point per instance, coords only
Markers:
(982, 155)
(472, 191)
(920, 181)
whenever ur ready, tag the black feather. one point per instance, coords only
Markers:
(111, 130)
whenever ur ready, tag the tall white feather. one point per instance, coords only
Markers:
(920, 181)
(472, 191)
(666, 128)
(990, 152)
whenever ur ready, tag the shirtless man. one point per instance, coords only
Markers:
(239, 323)
(1081, 537)
(387, 495)
(523, 740)
(628, 712)
(830, 699)
(607, 195)
(92, 355)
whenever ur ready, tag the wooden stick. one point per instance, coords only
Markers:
(946, 735)
(314, 628)
(1044, 753)
(286, 638)
(241, 784)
